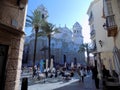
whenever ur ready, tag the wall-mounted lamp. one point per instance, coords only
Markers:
(105, 26)
(101, 43)
(21, 6)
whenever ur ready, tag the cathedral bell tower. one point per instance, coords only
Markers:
(77, 33)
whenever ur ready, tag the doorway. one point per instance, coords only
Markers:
(3, 60)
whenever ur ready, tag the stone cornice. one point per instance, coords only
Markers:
(11, 30)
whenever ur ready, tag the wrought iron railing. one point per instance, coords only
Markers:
(110, 21)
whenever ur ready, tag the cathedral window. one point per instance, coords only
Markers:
(43, 16)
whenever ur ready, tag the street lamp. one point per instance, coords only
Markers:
(101, 43)
(105, 26)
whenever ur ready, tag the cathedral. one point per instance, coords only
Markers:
(64, 46)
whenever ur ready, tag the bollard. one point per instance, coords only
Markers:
(24, 85)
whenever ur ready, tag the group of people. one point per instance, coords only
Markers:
(47, 72)
(66, 74)
(53, 72)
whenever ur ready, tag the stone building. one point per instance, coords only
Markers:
(12, 20)
(64, 46)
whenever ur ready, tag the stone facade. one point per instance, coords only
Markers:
(12, 21)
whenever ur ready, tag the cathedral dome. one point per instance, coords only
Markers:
(65, 34)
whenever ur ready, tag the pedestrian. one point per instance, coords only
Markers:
(78, 72)
(34, 71)
(82, 73)
(95, 74)
(105, 73)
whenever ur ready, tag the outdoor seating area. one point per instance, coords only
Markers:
(48, 75)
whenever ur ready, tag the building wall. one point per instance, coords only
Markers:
(13, 65)
(107, 61)
(12, 21)
(9, 18)
(101, 34)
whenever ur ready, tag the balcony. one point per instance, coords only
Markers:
(92, 47)
(111, 26)
(92, 33)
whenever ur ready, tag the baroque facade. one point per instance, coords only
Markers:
(64, 46)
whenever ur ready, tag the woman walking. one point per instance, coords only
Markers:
(82, 73)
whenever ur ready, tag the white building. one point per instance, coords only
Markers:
(104, 18)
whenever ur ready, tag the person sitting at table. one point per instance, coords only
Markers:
(71, 73)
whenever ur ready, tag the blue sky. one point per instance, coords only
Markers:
(63, 12)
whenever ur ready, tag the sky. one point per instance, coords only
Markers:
(64, 12)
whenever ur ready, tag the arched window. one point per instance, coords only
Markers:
(43, 16)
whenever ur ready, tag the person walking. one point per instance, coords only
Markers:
(82, 74)
(95, 74)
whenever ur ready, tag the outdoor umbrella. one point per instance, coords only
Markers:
(72, 64)
(46, 63)
(65, 64)
(116, 56)
(51, 64)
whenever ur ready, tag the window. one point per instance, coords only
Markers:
(92, 27)
(109, 8)
(118, 1)
(43, 16)
(91, 16)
